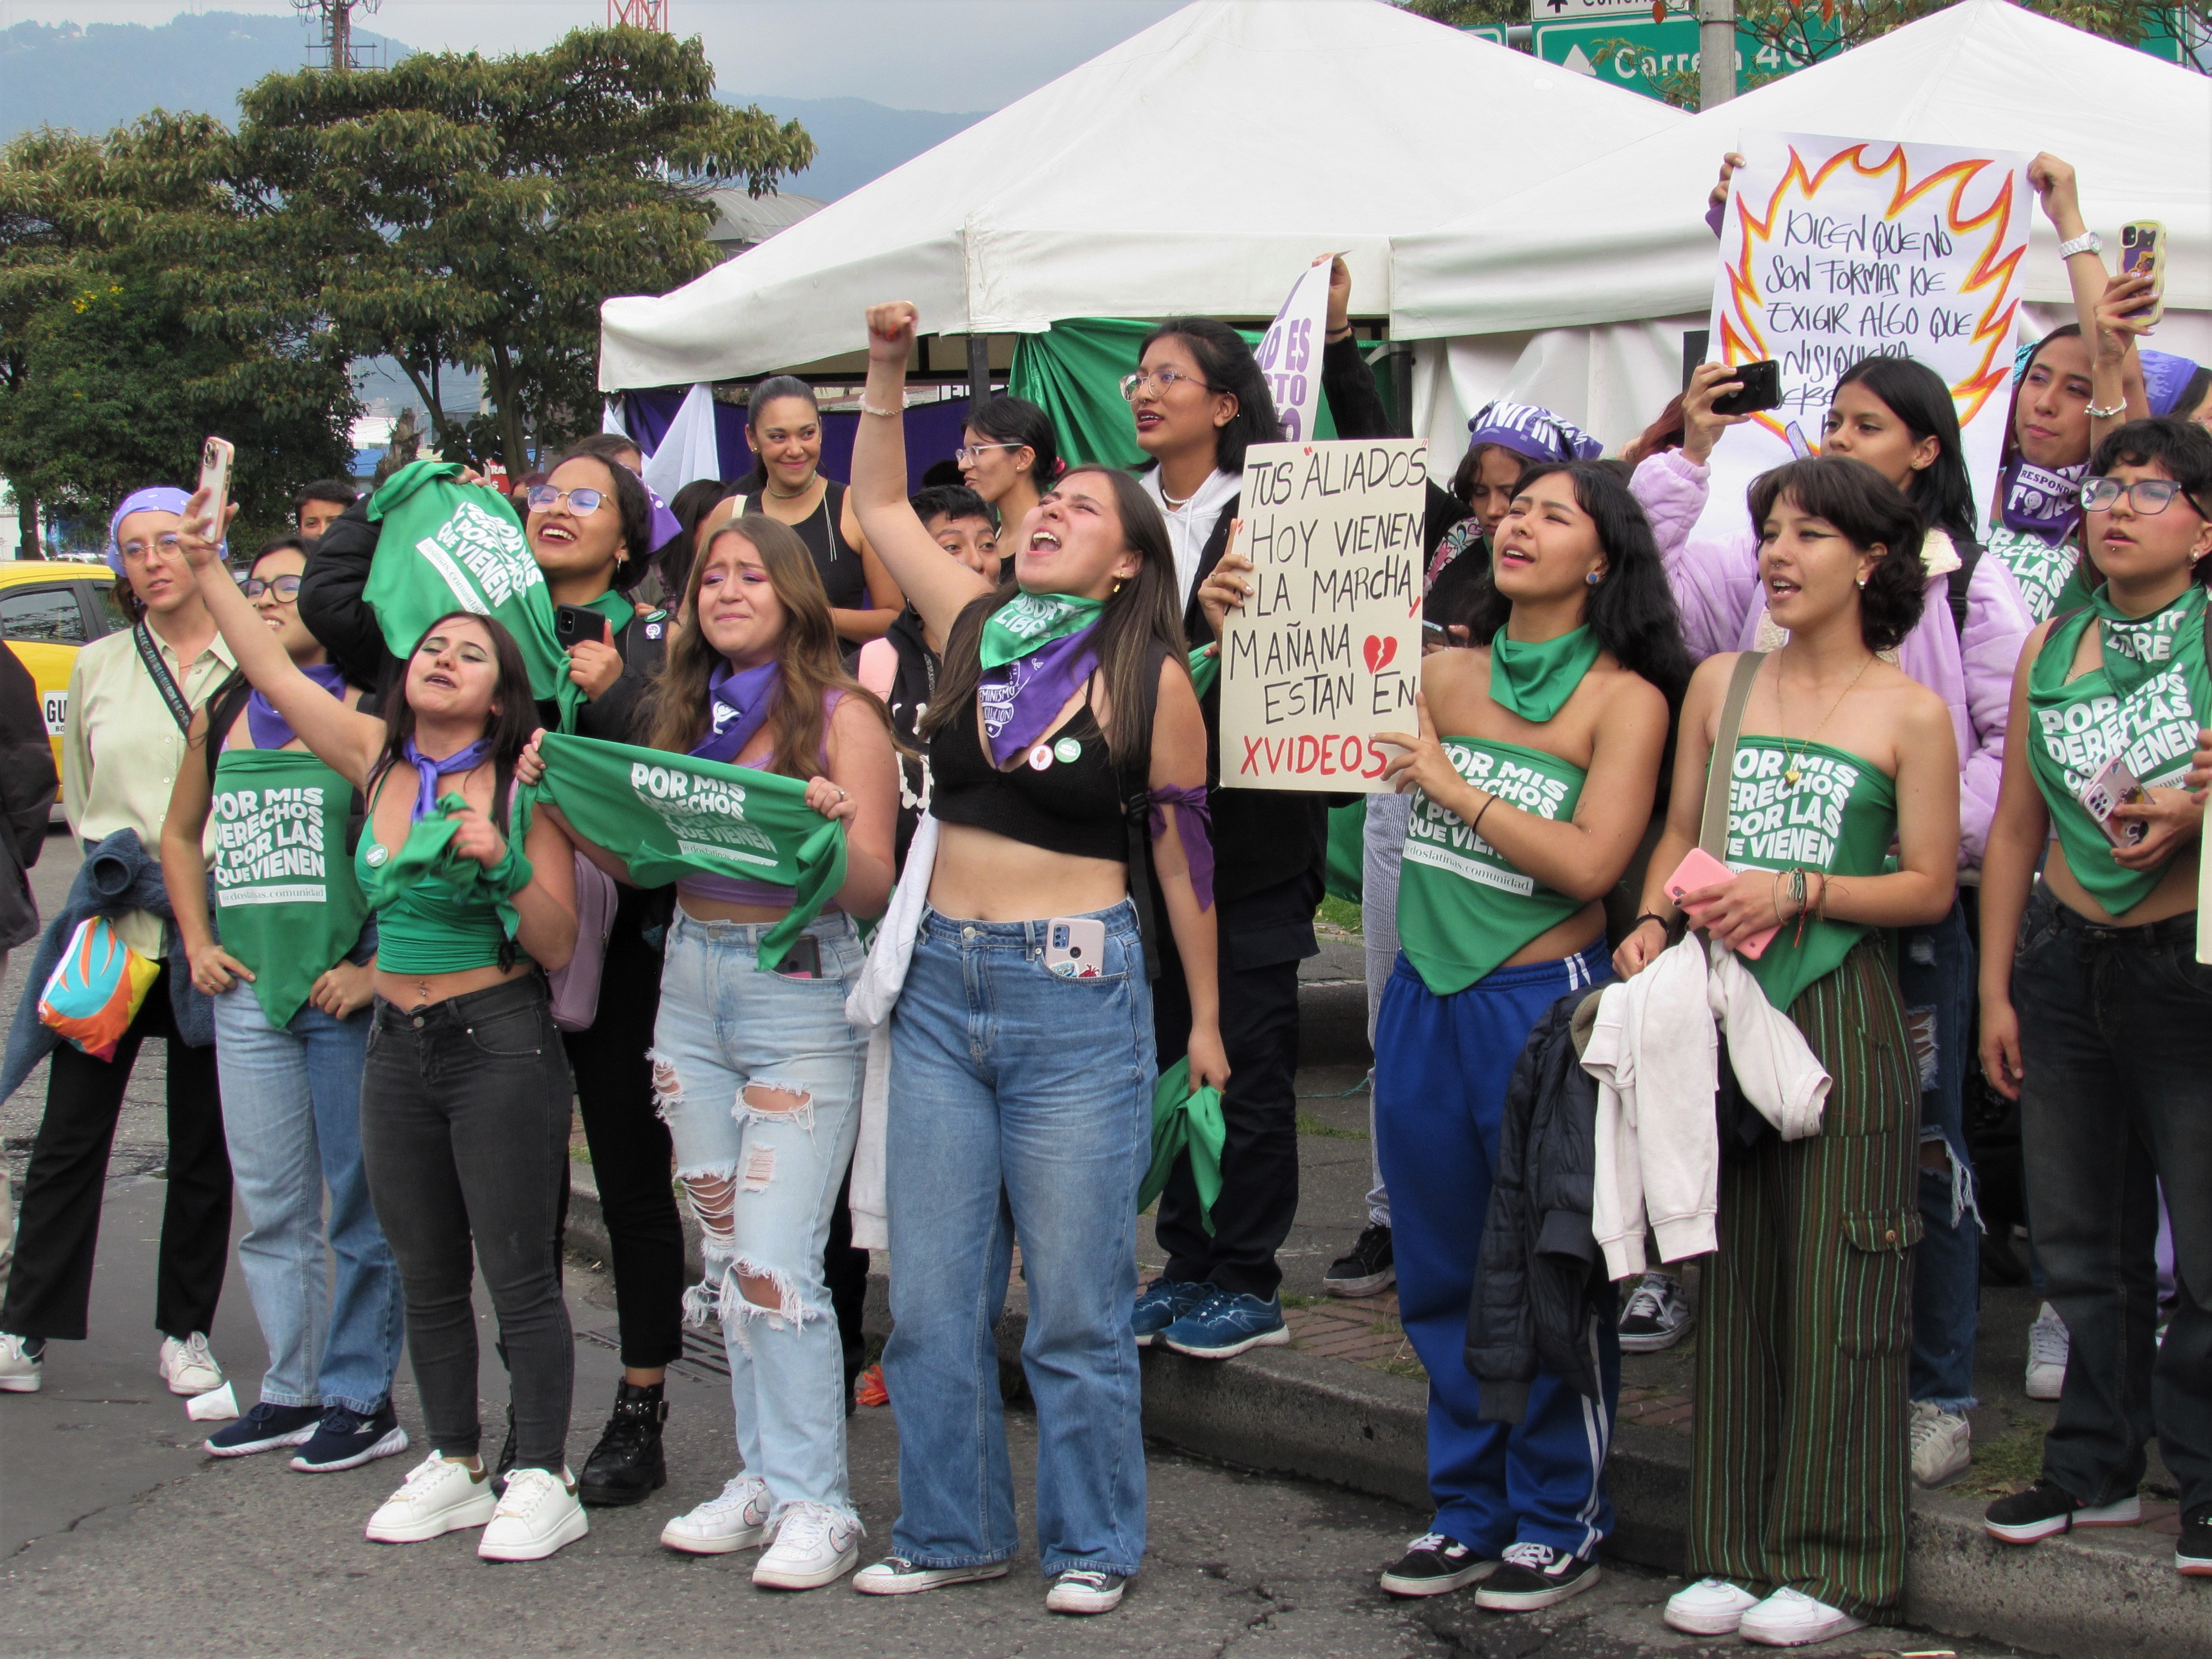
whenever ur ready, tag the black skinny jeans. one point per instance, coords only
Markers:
(630, 1154)
(50, 1289)
(464, 1135)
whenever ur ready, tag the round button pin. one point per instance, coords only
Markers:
(377, 855)
(1069, 750)
(1040, 757)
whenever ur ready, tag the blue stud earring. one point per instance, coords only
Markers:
(1592, 578)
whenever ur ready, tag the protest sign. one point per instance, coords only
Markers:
(1838, 249)
(1326, 653)
(1290, 351)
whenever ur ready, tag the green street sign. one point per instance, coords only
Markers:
(1489, 31)
(1642, 55)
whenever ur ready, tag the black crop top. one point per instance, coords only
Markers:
(1072, 807)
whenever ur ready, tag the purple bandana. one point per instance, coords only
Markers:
(1023, 698)
(2040, 501)
(1195, 820)
(666, 527)
(269, 728)
(2166, 377)
(1534, 434)
(162, 498)
(740, 700)
(429, 771)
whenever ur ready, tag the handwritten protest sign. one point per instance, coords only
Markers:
(1326, 653)
(1290, 352)
(1838, 249)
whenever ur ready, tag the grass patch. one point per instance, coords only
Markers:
(1403, 1365)
(1292, 1299)
(580, 1155)
(1310, 1125)
(1339, 913)
(2007, 1464)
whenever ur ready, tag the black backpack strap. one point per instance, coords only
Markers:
(1136, 778)
(1962, 581)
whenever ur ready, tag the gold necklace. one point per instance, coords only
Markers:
(1791, 775)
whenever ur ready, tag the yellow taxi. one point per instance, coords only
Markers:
(48, 612)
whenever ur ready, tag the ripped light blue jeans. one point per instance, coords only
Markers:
(758, 1078)
(1936, 973)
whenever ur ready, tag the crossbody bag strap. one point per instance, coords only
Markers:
(1713, 827)
(172, 695)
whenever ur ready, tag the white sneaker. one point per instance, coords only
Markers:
(1790, 1619)
(897, 1575)
(1081, 1590)
(1943, 1444)
(2048, 1344)
(814, 1546)
(1711, 1607)
(440, 1494)
(188, 1367)
(539, 1513)
(20, 1370)
(737, 1520)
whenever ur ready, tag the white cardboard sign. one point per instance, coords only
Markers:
(1326, 653)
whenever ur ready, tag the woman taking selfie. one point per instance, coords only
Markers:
(1799, 1530)
(2093, 1002)
(1008, 453)
(292, 979)
(1022, 1083)
(464, 1104)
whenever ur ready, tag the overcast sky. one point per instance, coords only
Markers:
(911, 54)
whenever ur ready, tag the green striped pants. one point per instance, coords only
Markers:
(1801, 1457)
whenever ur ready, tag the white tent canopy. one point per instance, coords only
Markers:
(1195, 167)
(1577, 292)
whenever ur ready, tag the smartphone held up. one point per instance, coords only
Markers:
(215, 455)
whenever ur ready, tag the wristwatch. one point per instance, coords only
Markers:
(2088, 242)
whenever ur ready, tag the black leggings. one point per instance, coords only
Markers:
(464, 1110)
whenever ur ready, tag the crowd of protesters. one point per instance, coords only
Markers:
(998, 692)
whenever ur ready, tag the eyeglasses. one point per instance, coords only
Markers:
(2148, 496)
(1166, 379)
(544, 498)
(971, 454)
(168, 542)
(287, 588)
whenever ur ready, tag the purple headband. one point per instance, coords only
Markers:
(1534, 434)
(162, 498)
(2166, 377)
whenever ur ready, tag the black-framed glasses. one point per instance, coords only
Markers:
(1166, 379)
(2148, 496)
(969, 454)
(287, 588)
(544, 498)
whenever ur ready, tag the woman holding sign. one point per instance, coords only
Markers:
(464, 1104)
(1023, 1043)
(2093, 1000)
(292, 980)
(1530, 780)
(1797, 1499)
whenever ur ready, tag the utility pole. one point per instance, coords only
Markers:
(1716, 53)
(336, 44)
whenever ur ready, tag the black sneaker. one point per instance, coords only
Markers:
(1435, 1564)
(2193, 1554)
(344, 1440)
(264, 1429)
(627, 1466)
(1656, 1316)
(1367, 1271)
(2047, 1508)
(1533, 1576)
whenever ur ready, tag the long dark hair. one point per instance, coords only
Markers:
(691, 506)
(1870, 512)
(1018, 421)
(677, 709)
(1941, 494)
(508, 726)
(1228, 365)
(1142, 611)
(1632, 610)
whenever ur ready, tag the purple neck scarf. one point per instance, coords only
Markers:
(429, 771)
(2040, 501)
(740, 700)
(271, 730)
(1194, 821)
(1022, 698)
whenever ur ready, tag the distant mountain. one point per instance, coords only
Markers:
(857, 140)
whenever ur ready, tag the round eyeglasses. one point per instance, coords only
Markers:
(1166, 379)
(286, 588)
(544, 498)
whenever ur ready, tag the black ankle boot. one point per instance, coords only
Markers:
(627, 1466)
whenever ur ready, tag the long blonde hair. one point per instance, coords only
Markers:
(679, 712)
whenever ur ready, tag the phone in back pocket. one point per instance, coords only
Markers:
(1075, 946)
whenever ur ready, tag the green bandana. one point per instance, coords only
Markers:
(669, 816)
(286, 903)
(1031, 621)
(2050, 576)
(1205, 669)
(1184, 1118)
(2135, 648)
(446, 546)
(1535, 680)
(618, 610)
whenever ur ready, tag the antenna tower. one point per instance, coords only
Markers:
(639, 13)
(336, 47)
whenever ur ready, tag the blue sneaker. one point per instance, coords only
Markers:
(264, 1429)
(1162, 1302)
(345, 1441)
(1226, 1324)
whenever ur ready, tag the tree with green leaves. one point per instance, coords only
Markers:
(472, 211)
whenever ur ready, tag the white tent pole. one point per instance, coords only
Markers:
(1716, 53)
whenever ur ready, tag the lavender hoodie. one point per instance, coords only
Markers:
(1717, 590)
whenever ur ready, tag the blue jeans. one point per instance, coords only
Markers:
(1935, 970)
(758, 1077)
(2116, 1099)
(1021, 1111)
(292, 1115)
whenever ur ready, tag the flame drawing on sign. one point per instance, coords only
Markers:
(1988, 283)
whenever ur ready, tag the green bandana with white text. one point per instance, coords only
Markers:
(1029, 621)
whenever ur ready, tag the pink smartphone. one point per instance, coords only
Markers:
(1699, 870)
(1075, 947)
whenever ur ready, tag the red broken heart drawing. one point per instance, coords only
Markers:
(1378, 651)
